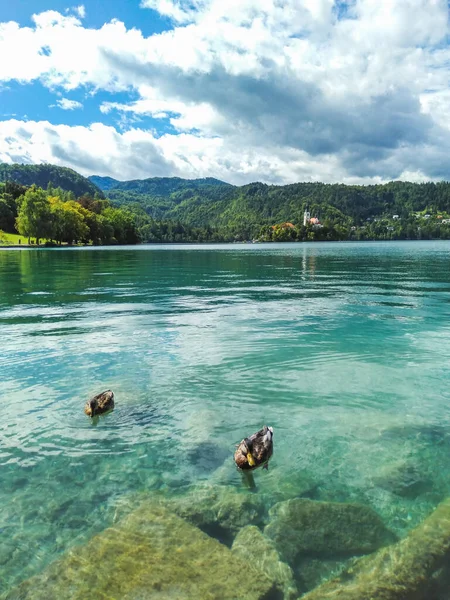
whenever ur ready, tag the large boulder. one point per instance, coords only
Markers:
(150, 554)
(329, 529)
(311, 572)
(254, 548)
(416, 568)
(404, 478)
(219, 510)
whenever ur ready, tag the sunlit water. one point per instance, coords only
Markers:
(343, 348)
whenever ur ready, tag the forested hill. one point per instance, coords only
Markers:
(161, 195)
(157, 186)
(45, 174)
(165, 209)
(209, 202)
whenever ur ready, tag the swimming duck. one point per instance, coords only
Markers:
(99, 404)
(256, 450)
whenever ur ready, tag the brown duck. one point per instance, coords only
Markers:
(255, 451)
(99, 404)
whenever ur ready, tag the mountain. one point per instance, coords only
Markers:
(42, 175)
(219, 211)
(162, 195)
(157, 186)
(210, 202)
(104, 183)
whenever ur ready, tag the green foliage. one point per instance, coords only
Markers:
(158, 186)
(59, 218)
(49, 175)
(208, 210)
(228, 213)
(34, 217)
(7, 217)
(69, 223)
(123, 224)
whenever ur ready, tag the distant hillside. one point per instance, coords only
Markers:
(42, 175)
(156, 186)
(209, 202)
(104, 183)
(165, 209)
(161, 195)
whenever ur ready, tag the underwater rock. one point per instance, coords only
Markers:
(218, 510)
(408, 570)
(254, 548)
(404, 479)
(279, 485)
(333, 529)
(311, 572)
(149, 554)
(207, 456)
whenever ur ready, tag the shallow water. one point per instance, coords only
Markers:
(342, 348)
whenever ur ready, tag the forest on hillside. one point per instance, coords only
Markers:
(61, 206)
(45, 174)
(396, 210)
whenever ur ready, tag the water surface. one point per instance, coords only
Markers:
(343, 348)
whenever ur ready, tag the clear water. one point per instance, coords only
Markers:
(343, 348)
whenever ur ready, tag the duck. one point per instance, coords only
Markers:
(255, 451)
(99, 404)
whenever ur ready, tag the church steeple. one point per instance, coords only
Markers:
(306, 217)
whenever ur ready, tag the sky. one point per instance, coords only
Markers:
(279, 91)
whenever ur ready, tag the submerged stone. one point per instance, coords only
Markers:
(207, 456)
(331, 529)
(311, 572)
(219, 510)
(278, 485)
(254, 548)
(404, 479)
(150, 554)
(408, 570)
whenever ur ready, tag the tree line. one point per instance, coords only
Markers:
(165, 210)
(56, 216)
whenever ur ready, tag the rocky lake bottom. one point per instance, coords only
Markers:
(342, 348)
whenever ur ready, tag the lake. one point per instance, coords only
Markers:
(343, 348)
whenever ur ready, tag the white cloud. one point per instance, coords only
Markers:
(67, 104)
(81, 11)
(279, 90)
(137, 153)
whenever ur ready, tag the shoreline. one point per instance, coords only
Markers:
(309, 242)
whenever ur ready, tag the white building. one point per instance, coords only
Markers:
(306, 217)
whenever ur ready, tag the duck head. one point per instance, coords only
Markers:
(92, 406)
(268, 434)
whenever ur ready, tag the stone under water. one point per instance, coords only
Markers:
(218, 509)
(152, 554)
(301, 527)
(256, 549)
(408, 570)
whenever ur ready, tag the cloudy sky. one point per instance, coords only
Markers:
(279, 91)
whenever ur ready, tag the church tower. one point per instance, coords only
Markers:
(306, 217)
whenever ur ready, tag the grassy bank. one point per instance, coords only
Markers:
(14, 239)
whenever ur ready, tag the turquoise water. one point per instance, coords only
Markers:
(343, 348)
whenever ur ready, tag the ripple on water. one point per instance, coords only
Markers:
(343, 349)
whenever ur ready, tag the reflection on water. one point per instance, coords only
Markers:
(342, 348)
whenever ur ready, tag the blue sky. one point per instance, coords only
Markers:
(98, 12)
(279, 91)
(35, 101)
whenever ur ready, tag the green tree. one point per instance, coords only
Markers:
(34, 217)
(123, 223)
(6, 216)
(68, 222)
